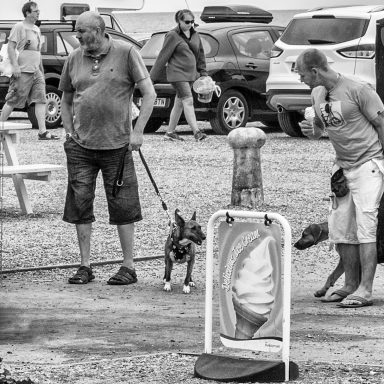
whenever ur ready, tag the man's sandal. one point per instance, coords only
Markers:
(124, 276)
(84, 275)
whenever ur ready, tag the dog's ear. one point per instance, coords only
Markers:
(179, 220)
(193, 216)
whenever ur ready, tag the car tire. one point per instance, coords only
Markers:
(270, 121)
(289, 123)
(232, 112)
(152, 125)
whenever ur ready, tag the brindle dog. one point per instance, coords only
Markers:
(180, 248)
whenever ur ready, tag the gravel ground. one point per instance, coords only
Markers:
(191, 176)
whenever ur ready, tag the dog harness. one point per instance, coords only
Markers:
(180, 252)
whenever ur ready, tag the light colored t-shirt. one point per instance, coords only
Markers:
(28, 42)
(103, 92)
(347, 115)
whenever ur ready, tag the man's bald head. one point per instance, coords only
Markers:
(91, 20)
(312, 58)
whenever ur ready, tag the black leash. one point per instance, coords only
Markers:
(154, 185)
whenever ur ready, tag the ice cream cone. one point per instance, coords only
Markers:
(247, 322)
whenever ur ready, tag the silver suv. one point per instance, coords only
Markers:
(345, 34)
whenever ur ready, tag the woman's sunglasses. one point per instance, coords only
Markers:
(189, 21)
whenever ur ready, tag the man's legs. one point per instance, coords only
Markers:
(126, 234)
(368, 261)
(6, 111)
(40, 117)
(84, 239)
(349, 254)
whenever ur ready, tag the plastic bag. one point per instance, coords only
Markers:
(5, 63)
(204, 87)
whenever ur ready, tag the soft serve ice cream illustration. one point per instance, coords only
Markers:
(252, 291)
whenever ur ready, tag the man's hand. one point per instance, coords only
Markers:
(16, 71)
(306, 128)
(312, 131)
(136, 140)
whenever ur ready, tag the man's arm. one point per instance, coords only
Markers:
(67, 111)
(149, 95)
(13, 58)
(378, 123)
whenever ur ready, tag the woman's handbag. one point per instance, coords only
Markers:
(339, 183)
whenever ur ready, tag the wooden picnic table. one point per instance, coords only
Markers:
(9, 133)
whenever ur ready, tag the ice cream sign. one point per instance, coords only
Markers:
(251, 302)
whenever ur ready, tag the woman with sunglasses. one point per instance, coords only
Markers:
(183, 55)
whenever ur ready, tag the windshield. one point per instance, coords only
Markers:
(153, 46)
(323, 30)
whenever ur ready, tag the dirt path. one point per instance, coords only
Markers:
(45, 320)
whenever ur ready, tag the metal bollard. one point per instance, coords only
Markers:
(247, 182)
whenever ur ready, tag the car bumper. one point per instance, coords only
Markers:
(289, 100)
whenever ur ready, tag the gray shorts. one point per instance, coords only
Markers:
(83, 167)
(28, 88)
(183, 89)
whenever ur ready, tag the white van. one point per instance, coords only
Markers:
(347, 37)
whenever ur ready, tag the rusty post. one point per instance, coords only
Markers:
(247, 182)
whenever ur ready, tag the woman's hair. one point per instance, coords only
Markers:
(179, 15)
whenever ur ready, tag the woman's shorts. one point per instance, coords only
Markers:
(83, 167)
(354, 218)
(183, 89)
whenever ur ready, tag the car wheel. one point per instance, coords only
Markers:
(152, 125)
(270, 121)
(232, 112)
(53, 107)
(289, 123)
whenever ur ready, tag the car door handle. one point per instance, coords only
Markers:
(251, 65)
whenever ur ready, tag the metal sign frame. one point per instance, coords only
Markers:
(286, 285)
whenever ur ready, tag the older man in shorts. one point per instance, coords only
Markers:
(27, 84)
(353, 115)
(98, 81)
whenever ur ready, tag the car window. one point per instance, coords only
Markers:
(3, 38)
(256, 44)
(115, 36)
(66, 42)
(153, 46)
(210, 45)
(44, 45)
(323, 30)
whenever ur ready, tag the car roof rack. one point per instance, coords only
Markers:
(237, 13)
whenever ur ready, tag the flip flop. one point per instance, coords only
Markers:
(341, 296)
(356, 302)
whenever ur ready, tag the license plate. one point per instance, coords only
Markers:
(159, 102)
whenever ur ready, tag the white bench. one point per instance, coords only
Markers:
(40, 172)
(9, 133)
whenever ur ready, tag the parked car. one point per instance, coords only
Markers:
(59, 41)
(345, 34)
(237, 57)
